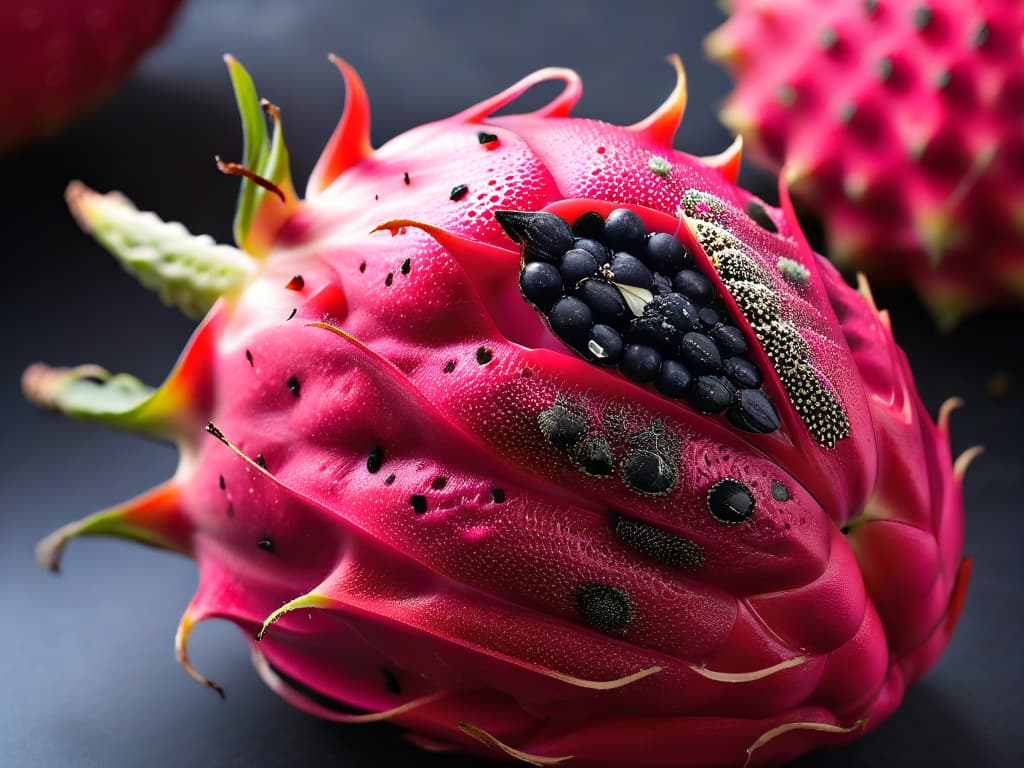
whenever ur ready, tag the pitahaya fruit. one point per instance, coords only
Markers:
(540, 439)
(902, 125)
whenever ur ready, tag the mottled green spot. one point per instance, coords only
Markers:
(659, 165)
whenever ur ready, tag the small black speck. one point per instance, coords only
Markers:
(267, 545)
(261, 461)
(844, 530)
(294, 310)
(406, 266)
(871, 6)
(458, 192)
(391, 684)
(376, 197)
(486, 138)
(293, 385)
(375, 460)
(223, 485)
(981, 35)
(419, 503)
(829, 38)
(405, 178)
(943, 80)
(484, 356)
(389, 279)
(498, 495)
(362, 267)
(439, 483)
(248, 356)
(449, 366)
(923, 17)
(297, 283)
(389, 479)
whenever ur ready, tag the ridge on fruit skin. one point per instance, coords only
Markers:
(538, 438)
(900, 124)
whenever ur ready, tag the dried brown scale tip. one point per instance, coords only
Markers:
(236, 169)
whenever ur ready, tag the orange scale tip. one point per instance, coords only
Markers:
(560, 106)
(727, 162)
(350, 143)
(661, 125)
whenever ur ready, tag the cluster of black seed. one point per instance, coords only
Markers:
(625, 298)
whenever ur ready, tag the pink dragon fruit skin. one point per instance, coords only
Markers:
(376, 481)
(900, 123)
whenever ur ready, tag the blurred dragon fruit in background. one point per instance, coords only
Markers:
(900, 122)
(539, 439)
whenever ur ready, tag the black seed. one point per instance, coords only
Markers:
(605, 344)
(293, 385)
(261, 461)
(624, 231)
(674, 379)
(664, 321)
(710, 394)
(730, 340)
(730, 501)
(605, 608)
(438, 483)
(709, 318)
(662, 284)
(561, 426)
(389, 479)
(544, 236)
(406, 266)
(419, 503)
(647, 472)
(498, 495)
(405, 178)
(391, 684)
(223, 485)
(604, 300)
(658, 544)
(294, 310)
(757, 212)
(486, 138)
(362, 266)
(752, 411)
(602, 254)
(693, 285)
(296, 283)
(640, 363)
(458, 192)
(449, 366)
(389, 279)
(589, 225)
(629, 270)
(665, 254)
(594, 456)
(577, 264)
(375, 460)
(571, 320)
(541, 284)
(248, 356)
(267, 545)
(741, 372)
(700, 353)
(484, 356)
(779, 491)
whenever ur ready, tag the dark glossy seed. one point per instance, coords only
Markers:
(779, 491)
(541, 283)
(605, 608)
(419, 503)
(658, 544)
(589, 225)
(757, 212)
(640, 363)
(679, 312)
(624, 231)
(543, 236)
(711, 394)
(602, 253)
(752, 411)
(267, 545)
(662, 284)
(605, 344)
(700, 353)
(594, 456)
(709, 318)
(647, 472)
(571, 319)
(561, 426)
(375, 460)
(577, 264)
(664, 321)
(730, 501)
(604, 300)
(674, 379)
(665, 254)
(730, 340)
(693, 285)
(741, 372)
(629, 270)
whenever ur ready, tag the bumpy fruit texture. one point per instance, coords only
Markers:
(428, 496)
(901, 123)
(60, 58)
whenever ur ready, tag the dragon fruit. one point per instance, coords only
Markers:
(900, 123)
(540, 439)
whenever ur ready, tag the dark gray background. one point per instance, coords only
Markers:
(89, 677)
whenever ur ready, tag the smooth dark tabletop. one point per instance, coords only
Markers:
(89, 677)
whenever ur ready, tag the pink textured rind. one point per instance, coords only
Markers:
(397, 474)
(900, 123)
